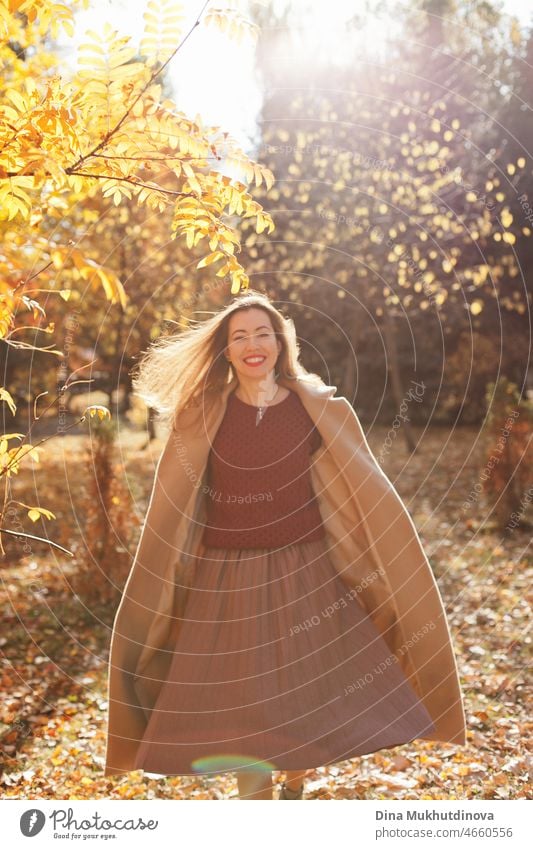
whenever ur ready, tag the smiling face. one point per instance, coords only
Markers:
(252, 345)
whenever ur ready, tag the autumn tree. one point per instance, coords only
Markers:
(109, 131)
(392, 217)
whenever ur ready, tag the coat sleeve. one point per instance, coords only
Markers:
(155, 591)
(409, 592)
(137, 608)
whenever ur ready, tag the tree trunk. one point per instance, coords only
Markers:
(353, 332)
(151, 424)
(394, 370)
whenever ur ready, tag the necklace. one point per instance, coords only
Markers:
(261, 409)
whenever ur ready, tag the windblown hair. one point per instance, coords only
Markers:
(179, 370)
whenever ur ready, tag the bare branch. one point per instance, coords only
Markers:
(37, 539)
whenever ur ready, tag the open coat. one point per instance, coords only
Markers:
(372, 542)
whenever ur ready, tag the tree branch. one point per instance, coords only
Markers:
(153, 76)
(134, 182)
(37, 539)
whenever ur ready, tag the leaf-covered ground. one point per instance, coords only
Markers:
(55, 649)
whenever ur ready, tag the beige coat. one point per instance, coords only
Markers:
(373, 545)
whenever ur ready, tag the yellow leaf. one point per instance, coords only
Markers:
(120, 57)
(5, 396)
(34, 513)
(269, 178)
(235, 286)
(57, 258)
(15, 98)
(28, 451)
(207, 260)
(97, 410)
(193, 182)
(68, 26)
(111, 284)
(224, 270)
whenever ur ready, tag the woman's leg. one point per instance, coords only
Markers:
(295, 778)
(254, 784)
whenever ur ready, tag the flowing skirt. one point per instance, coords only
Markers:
(277, 666)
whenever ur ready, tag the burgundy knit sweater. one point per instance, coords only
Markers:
(259, 492)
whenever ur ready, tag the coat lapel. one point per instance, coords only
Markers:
(372, 543)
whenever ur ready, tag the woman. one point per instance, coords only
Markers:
(270, 652)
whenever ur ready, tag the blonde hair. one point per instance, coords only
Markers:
(179, 370)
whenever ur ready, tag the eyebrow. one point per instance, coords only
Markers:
(241, 329)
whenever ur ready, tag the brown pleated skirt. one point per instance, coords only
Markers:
(277, 666)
